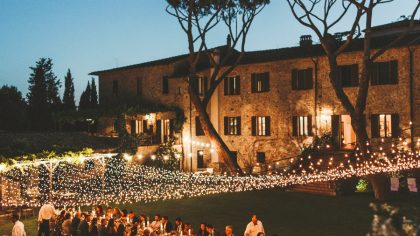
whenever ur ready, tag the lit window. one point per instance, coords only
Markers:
(232, 125)
(385, 125)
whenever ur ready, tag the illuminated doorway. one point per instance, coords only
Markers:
(348, 137)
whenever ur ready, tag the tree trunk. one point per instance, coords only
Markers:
(217, 142)
(358, 119)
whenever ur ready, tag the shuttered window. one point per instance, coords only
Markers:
(115, 88)
(385, 125)
(198, 128)
(348, 75)
(232, 85)
(139, 87)
(200, 85)
(165, 85)
(260, 125)
(232, 125)
(261, 157)
(384, 73)
(260, 82)
(302, 79)
(302, 125)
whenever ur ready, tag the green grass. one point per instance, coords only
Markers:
(282, 213)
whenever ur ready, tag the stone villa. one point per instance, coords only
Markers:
(275, 100)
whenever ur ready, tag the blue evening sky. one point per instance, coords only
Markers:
(90, 35)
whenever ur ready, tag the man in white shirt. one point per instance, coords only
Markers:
(254, 227)
(156, 223)
(46, 212)
(18, 227)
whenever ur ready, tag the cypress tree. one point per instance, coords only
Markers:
(85, 102)
(93, 95)
(68, 97)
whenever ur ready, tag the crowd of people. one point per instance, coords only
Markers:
(116, 222)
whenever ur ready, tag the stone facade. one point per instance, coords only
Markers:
(281, 103)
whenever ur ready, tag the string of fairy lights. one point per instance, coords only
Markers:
(96, 179)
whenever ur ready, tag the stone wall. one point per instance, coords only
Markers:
(280, 103)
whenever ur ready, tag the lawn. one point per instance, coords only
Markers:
(282, 213)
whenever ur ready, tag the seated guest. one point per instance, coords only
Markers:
(202, 230)
(66, 226)
(83, 227)
(142, 221)
(179, 225)
(228, 231)
(156, 223)
(211, 231)
(166, 225)
(188, 230)
(93, 228)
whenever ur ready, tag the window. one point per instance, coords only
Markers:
(384, 73)
(348, 75)
(115, 88)
(198, 129)
(384, 125)
(261, 157)
(165, 85)
(232, 85)
(302, 125)
(200, 159)
(139, 87)
(302, 79)
(260, 125)
(200, 85)
(166, 129)
(260, 82)
(232, 125)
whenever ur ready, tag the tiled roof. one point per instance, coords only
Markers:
(270, 55)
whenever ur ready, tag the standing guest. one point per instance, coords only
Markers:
(131, 216)
(102, 228)
(156, 223)
(202, 230)
(58, 223)
(179, 225)
(83, 227)
(120, 230)
(93, 228)
(75, 223)
(46, 213)
(99, 211)
(166, 225)
(110, 228)
(109, 213)
(18, 227)
(211, 231)
(254, 227)
(66, 226)
(228, 230)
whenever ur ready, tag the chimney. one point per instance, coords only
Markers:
(228, 41)
(305, 40)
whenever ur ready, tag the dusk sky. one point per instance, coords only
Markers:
(90, 35)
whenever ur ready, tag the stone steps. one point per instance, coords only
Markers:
(321, 188)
